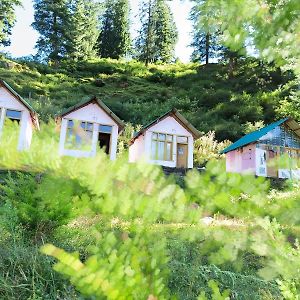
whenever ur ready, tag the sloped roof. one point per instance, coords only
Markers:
(14, 93)
(256, 135)
(179, 118)
(101, 105)
(33, 113)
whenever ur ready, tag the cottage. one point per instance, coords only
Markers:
(15, 108)
(256, 152)
(168, 141)
(88, 126)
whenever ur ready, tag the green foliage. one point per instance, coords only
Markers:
(215, 292)
(27, 274)
(126, 136)
(207, 148)
(51, 20)
(271, 26)
(250, 127)
(7, 20)
(290, 289)
(128, 256)
(206, 39)
(190, 275)
(36, 209)
(289, 106)
(24, 272)
(114, 40)
(139, 94)
(84, 28)
(158, 33)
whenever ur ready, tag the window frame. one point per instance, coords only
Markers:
(157, 140)
(71, 128)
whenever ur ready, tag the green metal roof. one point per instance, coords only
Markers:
(253, 136)
(7, 86)
(172, 112)
(100, 103)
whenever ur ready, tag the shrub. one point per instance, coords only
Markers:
(207, 148)
(42, 202)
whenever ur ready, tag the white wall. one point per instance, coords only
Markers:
(94, 114)
(137, 149)
(142, 146)
(8, 101)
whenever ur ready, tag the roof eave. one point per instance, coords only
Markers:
(179, 117)
(97, 101)
(16, 95)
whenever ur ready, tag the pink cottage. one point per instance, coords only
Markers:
(254, 152)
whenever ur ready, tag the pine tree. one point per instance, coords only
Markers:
(145, 43)
(166, 32)
(83, 30)
(114, 40)
(158, 34)
(51, 20)
(206, 39)
(7, 19)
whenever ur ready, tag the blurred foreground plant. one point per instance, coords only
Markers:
(139, 207)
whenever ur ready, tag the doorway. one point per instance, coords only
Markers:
(104, 141)
(182, 156)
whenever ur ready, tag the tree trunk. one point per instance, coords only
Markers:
(147, 58)
(207, 45)
(55, 42)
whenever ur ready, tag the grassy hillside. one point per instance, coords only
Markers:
(210, 96)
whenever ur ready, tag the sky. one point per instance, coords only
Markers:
(24, 37)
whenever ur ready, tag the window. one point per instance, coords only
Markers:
(13, 115)
(182, 139)
(161, 146)
(105, 128)
(77, 134)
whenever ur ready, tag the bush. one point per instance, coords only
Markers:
(207, 148)
(36, 209)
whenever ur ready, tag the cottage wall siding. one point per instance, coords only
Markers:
(8, 101)
(94, 114)
(141, 148)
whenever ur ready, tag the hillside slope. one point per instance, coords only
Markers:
(211, 97)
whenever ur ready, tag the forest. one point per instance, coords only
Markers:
(91, 228)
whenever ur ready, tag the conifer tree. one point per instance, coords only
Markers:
(51, 20)
(166, 32)
(158, 34)
(145, 43)
(206, 39)
(83, 30)
(114, 39)
(7, 19)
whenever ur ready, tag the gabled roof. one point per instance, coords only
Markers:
(14, 93)
(256, 135)
(100, 104)
(33, 113)
(178, 117)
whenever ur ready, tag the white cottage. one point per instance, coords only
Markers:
(89, 126)
(168, 141)
(15, 108)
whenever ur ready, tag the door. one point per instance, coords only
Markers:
(271, 164)
(104, 141)
(182, 155)
(261, 162)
